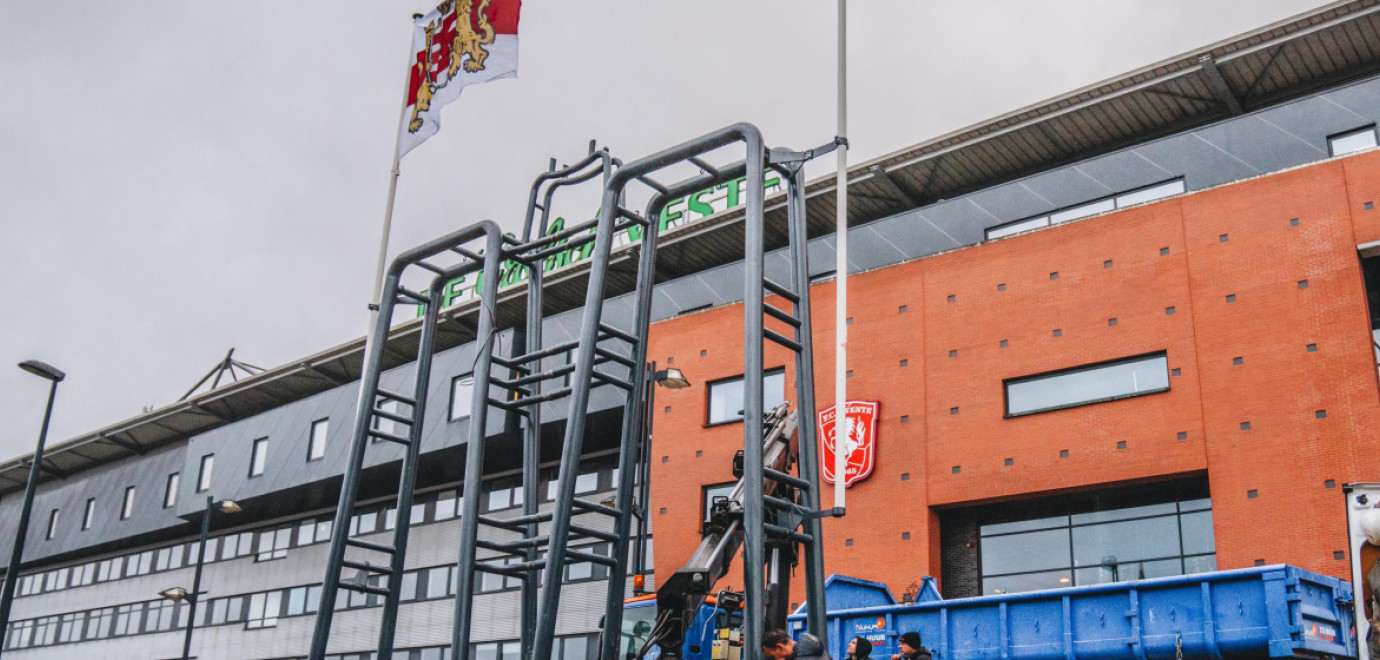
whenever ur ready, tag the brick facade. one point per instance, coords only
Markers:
(933, 339)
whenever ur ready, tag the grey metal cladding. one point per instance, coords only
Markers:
(107, 483)
(1011, 201)
(1121, 171)
(1065, 186)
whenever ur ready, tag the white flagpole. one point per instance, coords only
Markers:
(841, 268)
(375, 299)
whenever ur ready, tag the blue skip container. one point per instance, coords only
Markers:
(1264, 612)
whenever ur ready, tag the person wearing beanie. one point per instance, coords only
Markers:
(859, 648)
(910, 647)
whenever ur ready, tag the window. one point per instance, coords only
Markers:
(711, 492)
(1095, 538)
(90, 515)
(726, 396)
(203, 479)
(316, 444)
(1106, 381)
(127, 507)
(461, 396)
(1351, 141)
(170, 493)
(1094, 207)
(52, 526)
(258, 457)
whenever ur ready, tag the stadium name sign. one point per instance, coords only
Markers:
(678, 212)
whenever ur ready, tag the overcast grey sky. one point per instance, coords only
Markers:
(177, 178)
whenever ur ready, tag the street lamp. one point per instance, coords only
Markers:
(671, 379)
(55, 375)
(179, 594)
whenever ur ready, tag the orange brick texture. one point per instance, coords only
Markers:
(1164, 271)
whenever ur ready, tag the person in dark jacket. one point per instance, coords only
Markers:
(810, 648)
(778, 645)
(859, 648)
(910, 647)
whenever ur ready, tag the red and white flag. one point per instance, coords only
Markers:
(459, 43)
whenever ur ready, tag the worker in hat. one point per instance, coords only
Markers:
(910, 647)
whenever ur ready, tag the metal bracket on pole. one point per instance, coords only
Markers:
(836, 512)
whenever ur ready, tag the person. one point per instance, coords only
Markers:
(778, 645)
(859, 648)
(910, 647)
(810, 648)
(1370, 576)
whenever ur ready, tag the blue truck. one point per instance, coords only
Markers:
(1262, 612)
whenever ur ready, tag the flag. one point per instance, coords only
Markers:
(459, 43)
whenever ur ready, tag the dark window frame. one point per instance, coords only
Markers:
(170, 489)
(1047, 215)
(1008, 382)
(311, 439)
(1331, 153)
(258, 449)
(127, 503)
(450, 398)
(51, 530)
(709, 394)
(203, 475)
(705, 501)
(88, 516)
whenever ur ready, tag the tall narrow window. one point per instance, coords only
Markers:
(127, 507)
(316, 444)
(258, 458)
(170, 494)
(461, 393)
(90, 515)
(52, 525)
(203, 479)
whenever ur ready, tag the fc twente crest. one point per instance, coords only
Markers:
(859, 441)
(462, 29)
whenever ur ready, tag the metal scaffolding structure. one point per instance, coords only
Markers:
(535, 546)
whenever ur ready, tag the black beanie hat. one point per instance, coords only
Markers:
(864, 648)
(912, 639)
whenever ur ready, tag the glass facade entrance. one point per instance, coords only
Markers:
(1107, 536)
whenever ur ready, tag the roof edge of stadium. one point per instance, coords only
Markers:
(341, 364)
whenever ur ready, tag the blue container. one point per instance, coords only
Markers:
(1269, 611)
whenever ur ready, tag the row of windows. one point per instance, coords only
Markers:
(1103, 205)
(569, 647)
(263, 609)
(461, 387)
(274, 542)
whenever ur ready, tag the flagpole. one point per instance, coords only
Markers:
(375, 299)
(841, 267)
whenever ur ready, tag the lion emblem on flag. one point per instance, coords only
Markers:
(463, 29)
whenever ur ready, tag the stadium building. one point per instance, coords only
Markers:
(1128, 332)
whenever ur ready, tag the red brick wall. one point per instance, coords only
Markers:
(943, 437)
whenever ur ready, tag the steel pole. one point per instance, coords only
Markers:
(644, 475)
(841, 265)
(196, 579)
(17, 552)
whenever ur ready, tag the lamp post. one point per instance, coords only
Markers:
(54, 375)
(671, 379)
(179, 594)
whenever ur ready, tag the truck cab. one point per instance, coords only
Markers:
(716, 633)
